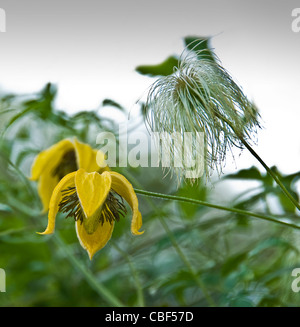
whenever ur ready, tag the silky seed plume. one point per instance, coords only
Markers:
(201, 97)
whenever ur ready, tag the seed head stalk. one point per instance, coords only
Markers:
(201, 96)
(267, 168)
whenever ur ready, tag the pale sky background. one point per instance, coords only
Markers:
(90, 49)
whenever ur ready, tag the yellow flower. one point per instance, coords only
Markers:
(95, 200)
(64, 157)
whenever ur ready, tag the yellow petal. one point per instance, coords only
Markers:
(122, 186)
(92, 190)
(96, 241)
(65, 182)
(46, 185)
(50, 158)
(86, 157)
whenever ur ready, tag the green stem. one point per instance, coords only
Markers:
(215, 206)
(272, 174)
(256, 156)
(96, 285)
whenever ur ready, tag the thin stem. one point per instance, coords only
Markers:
(256, 156)
(273, 175)
(96, 285)
(215, 206)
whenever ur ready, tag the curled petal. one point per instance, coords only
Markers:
(122, 186)
(50, 158)
(65, 182)
(46, 185)
(86, 156)
(96, 241)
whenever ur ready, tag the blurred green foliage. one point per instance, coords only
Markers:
(241, 261)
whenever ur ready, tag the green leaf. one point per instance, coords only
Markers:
(17, 116)
(288, 181)
(163, 69)
(42, 105)
(193, 43)
(251, 174)
(109, 102)
(286, 203)
(271, 242)
(200, 45)
(233, 262)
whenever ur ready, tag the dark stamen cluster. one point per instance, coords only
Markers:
(66, 165)
(70, 204)
(112, 209)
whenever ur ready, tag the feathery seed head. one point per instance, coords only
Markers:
(200, 96)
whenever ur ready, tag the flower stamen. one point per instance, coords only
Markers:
(70, 204)
(66, 165)
(112, 208)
